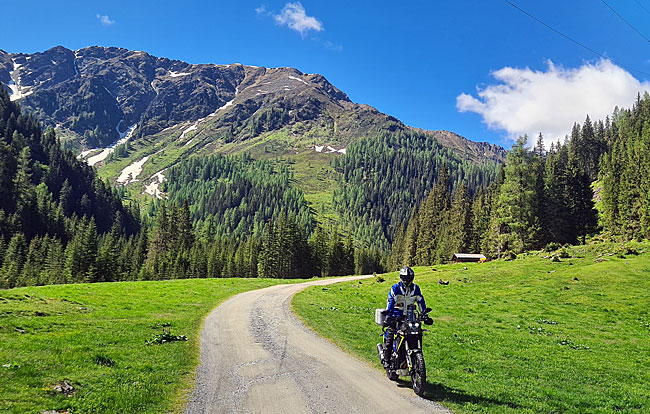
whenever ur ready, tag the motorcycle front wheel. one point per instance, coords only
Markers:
(418, 373)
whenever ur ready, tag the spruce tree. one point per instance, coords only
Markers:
(515, 206)
(432, 217)
(460, 223)
(14, 261)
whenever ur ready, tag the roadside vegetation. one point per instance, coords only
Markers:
(565, 331)
(105, 347)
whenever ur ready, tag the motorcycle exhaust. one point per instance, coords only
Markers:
(380, 352)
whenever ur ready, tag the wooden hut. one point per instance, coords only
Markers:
(468, 257)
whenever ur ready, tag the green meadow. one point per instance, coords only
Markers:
(544, 333)
(94, 338)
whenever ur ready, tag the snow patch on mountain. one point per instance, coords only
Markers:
(76, 67)
(170, 127)
(15, 90)
(330, 149)
(86, 152)
(177, 74)
(298, 79)
(153, 187)
(131, 172)
(227, 104)
(190, 129)
(125, 136)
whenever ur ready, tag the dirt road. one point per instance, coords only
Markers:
(257, 357)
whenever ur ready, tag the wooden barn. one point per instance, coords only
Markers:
(468, 257)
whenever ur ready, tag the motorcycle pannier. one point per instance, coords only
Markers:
(380, 316)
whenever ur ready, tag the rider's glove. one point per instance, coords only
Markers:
(427, 319)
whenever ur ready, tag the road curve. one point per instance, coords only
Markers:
(257, 357)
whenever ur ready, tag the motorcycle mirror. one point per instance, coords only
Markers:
(427, 310)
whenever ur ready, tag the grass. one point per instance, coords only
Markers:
(524, 336)
(93, 336)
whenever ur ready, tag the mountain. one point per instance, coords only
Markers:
(93, 95)
(136, 117)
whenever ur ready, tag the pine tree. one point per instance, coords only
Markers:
(318, 245)
(579, 194)
(348, 249)
(14, 260)
(30, 275)
(515, 213)
(107, 258)
(555, 216)
(65, 198)
(337, 254)
(432, 220)
(460, 223)
(269, 252)
(397, 250)
(53, 271)
(411, 238)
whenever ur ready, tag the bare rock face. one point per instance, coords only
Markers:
(93, 95)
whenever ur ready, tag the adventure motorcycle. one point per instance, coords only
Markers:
(407, 358)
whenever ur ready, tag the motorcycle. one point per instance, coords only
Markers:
(407, 358)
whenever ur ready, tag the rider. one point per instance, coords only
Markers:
(401, 294)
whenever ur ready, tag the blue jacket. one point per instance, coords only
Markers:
(401, 296)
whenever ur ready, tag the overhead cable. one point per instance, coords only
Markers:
(626, 22)
(575, 41)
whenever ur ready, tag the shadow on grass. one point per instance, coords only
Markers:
(440, 393)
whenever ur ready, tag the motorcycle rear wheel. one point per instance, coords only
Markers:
(418, 374)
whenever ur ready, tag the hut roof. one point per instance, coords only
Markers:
(476, 256)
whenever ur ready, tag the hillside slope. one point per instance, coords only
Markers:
(531, 335)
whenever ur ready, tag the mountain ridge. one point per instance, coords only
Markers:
(92, 95)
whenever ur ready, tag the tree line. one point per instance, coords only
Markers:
(234, 196)
(595, 183)
(226, 217)
(384, 177)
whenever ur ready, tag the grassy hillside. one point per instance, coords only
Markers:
(93, 336)
(526, 336)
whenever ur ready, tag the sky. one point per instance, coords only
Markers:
(489, 70)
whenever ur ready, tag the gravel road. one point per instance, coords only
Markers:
(257, 357)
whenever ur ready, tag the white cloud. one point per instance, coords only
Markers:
(293, 16)
(105, 20)
(261, 9)
(530, 102)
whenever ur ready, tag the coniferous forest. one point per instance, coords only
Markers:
(59, 223)
(593, 185)
(228, 216)
(386, 177)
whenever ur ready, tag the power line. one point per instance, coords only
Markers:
(575, 41)
(626, 22)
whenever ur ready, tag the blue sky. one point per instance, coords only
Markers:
(480, 68)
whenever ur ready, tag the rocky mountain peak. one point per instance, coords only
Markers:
(94, 95)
